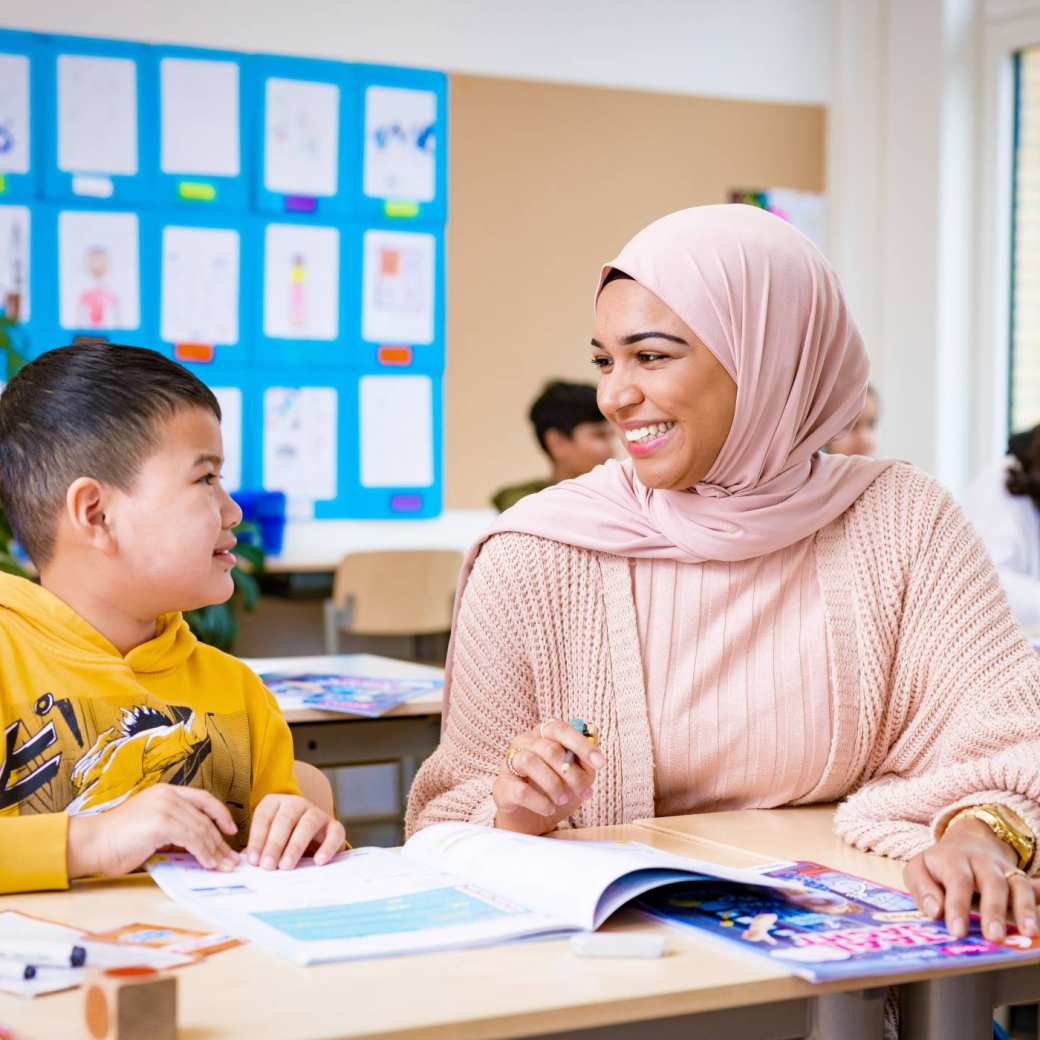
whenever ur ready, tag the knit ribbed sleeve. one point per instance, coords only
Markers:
(948, 688)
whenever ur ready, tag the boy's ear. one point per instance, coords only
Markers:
(85, 503)
(555, 441)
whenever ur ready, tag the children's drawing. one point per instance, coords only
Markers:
(396, 418)
(301, 282)
(301, 137)
(398, 287)
(230, 400)
(14, 113)
(199, 299)
(300, 441)
(14, 262)
(98, 270)
(400, 144)
(200, 119)
(97, 114)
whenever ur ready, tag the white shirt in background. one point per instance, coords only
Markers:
(1010, 527)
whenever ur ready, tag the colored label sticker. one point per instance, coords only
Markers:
(93, 187)
(405, 503)
(197, 191)
(3, 184)
(300, 204)
(400, 208)
(198, 352)
(395, 355)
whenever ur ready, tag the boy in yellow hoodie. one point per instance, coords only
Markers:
(122, 733)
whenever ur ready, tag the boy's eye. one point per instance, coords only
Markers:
(210, 478)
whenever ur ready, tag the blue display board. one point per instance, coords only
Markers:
(398, 297)
(203, 161)
(303, 131)
(97, 146)
(275, 224)
(20, 70)
(400, 161)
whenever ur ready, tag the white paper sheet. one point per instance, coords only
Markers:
(301, 137)
(98, 270)
(14, 113)
(97, 114)
(398, 287)
(301, 282)
(14, 257)
(230, 400)
(300, 441)
(199, 298)
(396, 419)
(200, 117)
(400, 143)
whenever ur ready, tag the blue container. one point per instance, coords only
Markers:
(266, 509)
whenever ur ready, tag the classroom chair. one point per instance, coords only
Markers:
(398, 592)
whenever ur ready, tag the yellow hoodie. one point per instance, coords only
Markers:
(85, 728)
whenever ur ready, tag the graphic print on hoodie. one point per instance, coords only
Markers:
(85, 728)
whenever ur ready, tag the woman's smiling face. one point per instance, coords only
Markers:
(667, 395)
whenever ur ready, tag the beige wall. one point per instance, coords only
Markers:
(547, 182)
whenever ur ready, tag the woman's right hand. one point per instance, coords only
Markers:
(542, 788)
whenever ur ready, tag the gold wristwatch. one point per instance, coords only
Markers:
(1005, 825)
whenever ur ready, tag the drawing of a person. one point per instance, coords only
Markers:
(297, 293)
(97, 307)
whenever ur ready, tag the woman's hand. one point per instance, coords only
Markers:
(537, 787)
(970, 858)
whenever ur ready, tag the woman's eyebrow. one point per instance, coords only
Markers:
(638, 337)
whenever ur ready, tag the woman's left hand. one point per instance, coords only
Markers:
(970, 858)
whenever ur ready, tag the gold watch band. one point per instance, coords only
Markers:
(998, 820)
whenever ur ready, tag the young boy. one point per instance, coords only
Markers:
(122, 733)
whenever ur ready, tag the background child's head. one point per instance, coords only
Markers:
(571, 428)
(110, 473)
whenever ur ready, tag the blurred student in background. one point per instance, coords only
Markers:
(1004, 504)
(859, 438)
(573, 433)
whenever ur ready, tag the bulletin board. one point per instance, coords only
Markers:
(274, 223)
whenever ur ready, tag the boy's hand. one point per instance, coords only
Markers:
(120, 840)
(285, 826)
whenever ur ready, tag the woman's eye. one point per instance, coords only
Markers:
(648, 357)
(601, 362)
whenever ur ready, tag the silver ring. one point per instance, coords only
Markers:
(541, 727)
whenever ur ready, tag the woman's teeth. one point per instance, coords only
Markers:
(646, 433)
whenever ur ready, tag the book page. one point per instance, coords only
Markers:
(199, 130)
(199, 296)
(396, 419)
(14, 113)
(97, 114)
(301, 137)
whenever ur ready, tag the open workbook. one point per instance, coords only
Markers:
(455, 885)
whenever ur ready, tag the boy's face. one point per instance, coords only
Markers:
(173, 528)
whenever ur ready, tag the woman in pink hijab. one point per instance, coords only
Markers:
(745, 621)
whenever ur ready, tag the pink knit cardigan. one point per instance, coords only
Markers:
(935, 692)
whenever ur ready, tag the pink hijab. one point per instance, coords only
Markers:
(765, 302)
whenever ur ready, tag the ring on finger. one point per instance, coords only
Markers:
(510, 755)
(542, 725)
(1015, 872)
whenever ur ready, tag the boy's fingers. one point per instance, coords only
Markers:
(202, 839)
(307, 827)
(278, 836)
(258, 829)
(335, 838)
(215, 809)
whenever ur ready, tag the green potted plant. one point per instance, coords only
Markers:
(217, 624)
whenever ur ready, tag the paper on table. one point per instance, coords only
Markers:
(398, 287)
(14, 113)
(396, 419)
(15, 926)
(230, 400)
(400, 143)
(14, 256)
(300, 441)
(301, 137)
(97, 114)
(199, 285)
(98, 270)
(200, 121)
(301, 282)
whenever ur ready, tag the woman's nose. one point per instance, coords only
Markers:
(617, 391)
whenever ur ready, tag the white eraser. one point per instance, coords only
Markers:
(619, 944)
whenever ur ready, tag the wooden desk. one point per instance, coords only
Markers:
(957, 1005)
(699, 992)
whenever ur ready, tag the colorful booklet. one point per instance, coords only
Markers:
(366, 695)
(828, 926)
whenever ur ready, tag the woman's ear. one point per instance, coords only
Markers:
(86, 518)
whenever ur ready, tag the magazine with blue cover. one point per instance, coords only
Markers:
(829, 926)
(366, 695)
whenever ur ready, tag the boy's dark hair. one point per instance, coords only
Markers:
(1024, 479)
(89, 410)
(562, 406)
